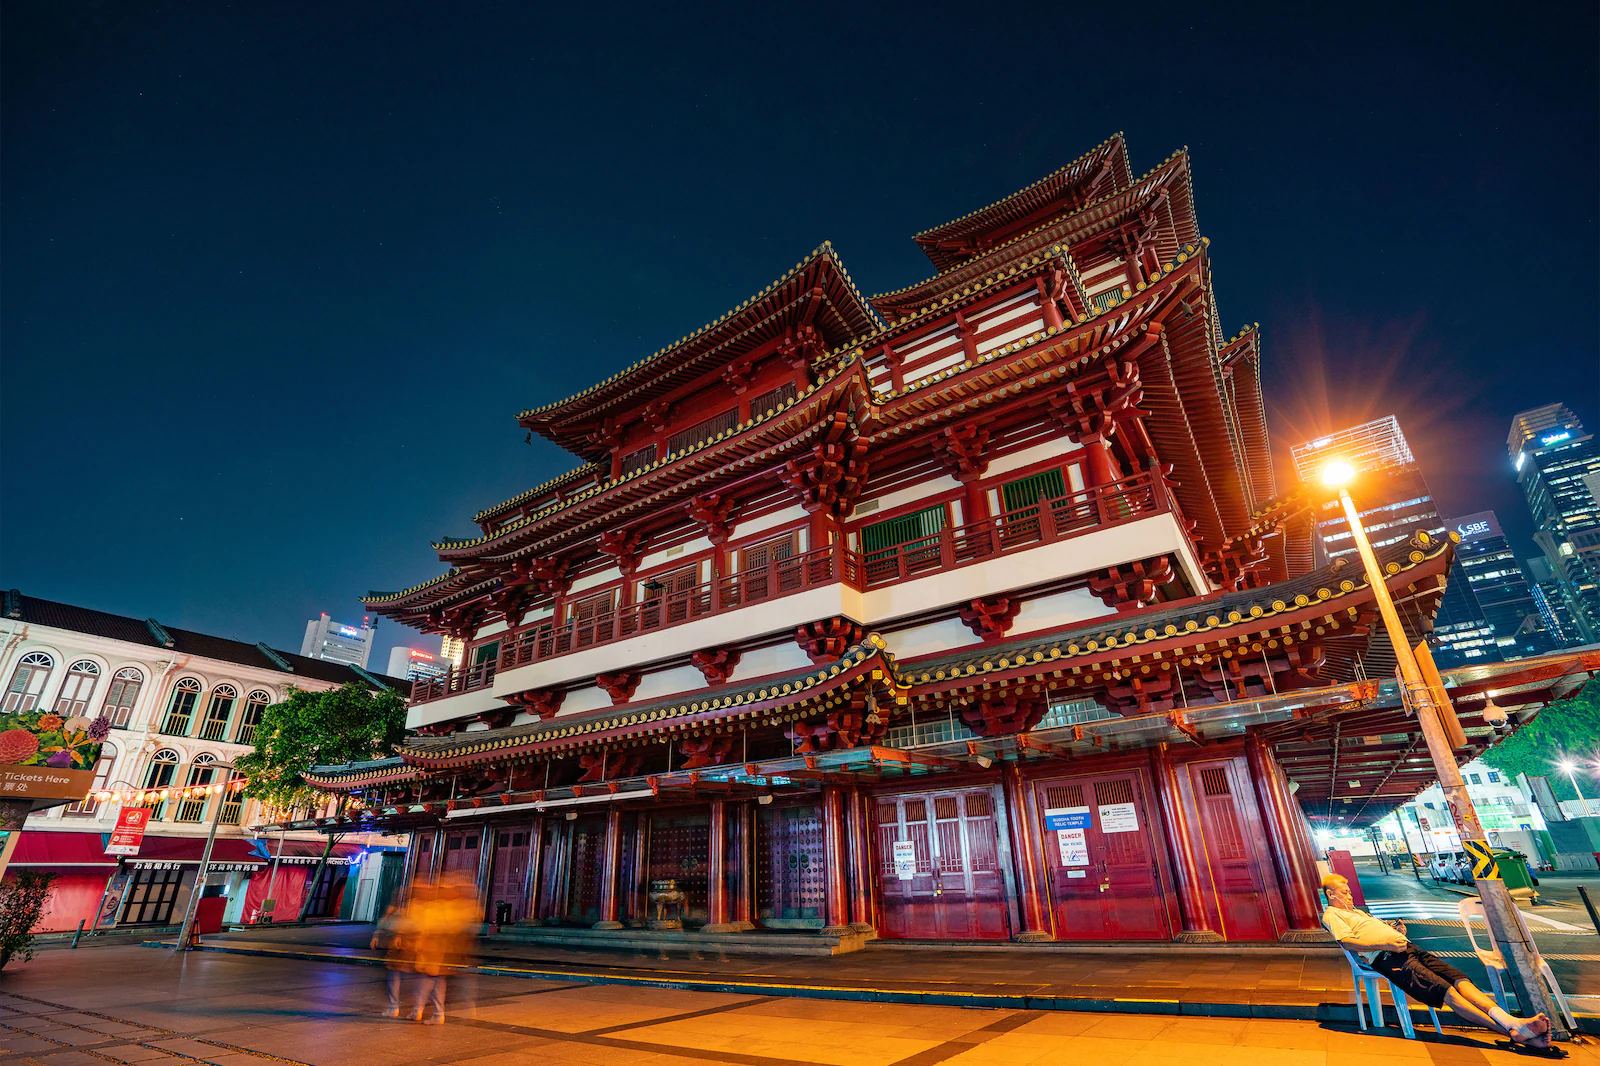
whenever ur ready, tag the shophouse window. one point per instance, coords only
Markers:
(180, 710)
(250, 717)
(73, 699)
(1475, 779)
(120, 697)
(1494, 777)
(163, 767)
(219, 708)
(28, 681)
(201, 772)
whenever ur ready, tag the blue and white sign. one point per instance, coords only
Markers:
(1066, 818)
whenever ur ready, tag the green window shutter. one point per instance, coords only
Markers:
(484, 653)
(882, 536)
(1030, 490)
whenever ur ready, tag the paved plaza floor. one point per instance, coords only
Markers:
(149, 1006)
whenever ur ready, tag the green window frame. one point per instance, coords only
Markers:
(889, 534)
(1025, 492)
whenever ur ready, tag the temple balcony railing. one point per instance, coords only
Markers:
(453, 682)
(823, 574)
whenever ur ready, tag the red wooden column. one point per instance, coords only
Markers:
(742, 863)
(1297, 871)
(530, 878)
(717, 913)
(1022, 815)
(856, 836)
(833, 860)
(610, 860)
(639, 876)
(1186, 871)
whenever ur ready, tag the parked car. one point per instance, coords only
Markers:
(1451, 866)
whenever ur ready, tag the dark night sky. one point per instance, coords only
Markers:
(277, 278)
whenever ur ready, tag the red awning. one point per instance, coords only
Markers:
(227, 851)
(38, 848)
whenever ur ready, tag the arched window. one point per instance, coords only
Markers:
(219, 708)
(163, 767)
(102, 777)
(250, 717)
(28, 681)
(201, 772)
(77, 688)
(120, 698)
(180, 711)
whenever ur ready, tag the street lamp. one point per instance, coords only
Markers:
(1572, 775)
(205, 859)
(1505, 924)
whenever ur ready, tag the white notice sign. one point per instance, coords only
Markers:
(1074, 847)
(1118, 818)
(905, 860)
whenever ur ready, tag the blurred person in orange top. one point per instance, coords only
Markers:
(439, 922)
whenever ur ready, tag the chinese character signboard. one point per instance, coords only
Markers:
(129, 831)
(49, 756)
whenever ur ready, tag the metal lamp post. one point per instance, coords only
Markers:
(1505, 924)
(1572, 775)
(205, 862)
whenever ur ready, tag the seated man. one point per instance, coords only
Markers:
(1421, 974)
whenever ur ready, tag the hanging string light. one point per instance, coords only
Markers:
(140, 797)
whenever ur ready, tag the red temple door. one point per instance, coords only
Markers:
(1105, 880)
(762, 570)
(1230, 852)
(790, 878)
(944, 878)
(508, 881)
(679, 850)
(586, 869)
(461, 853)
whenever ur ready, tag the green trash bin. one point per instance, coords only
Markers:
(1513, 867)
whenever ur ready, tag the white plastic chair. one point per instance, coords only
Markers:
(1366, 979)
(1495, 964)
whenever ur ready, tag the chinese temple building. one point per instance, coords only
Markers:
(965, 611)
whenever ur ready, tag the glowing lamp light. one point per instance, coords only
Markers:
(1567, 766)
(1337, 473)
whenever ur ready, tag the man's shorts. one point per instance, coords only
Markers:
(1419, 974)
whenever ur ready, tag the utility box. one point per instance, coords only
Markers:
(208, 915)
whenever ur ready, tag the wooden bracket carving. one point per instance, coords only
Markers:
(619, 684)
(498, 718)
(961, 449)
(716, 664)
(622, 545)
(608, 765)
(828, 479)
(737, 374)
(656, 415)
(990, 617)
(713, 512)
(543, 702)
(709, 750)
(547, 574)
(828, 638)
(1010, 714)
(1127, 586)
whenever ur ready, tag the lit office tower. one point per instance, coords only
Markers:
(1393, 495)
(1502, 611)
(337, 642)
(1558, 466)
(1555, 605)
(414, 664)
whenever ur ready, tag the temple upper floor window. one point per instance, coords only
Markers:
(637, 459)
(685, 439)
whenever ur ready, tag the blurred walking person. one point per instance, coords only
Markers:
(438, 922)
(390, 938)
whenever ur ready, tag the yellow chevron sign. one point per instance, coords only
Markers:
(1483, 865)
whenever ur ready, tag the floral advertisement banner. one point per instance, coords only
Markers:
(48, 756)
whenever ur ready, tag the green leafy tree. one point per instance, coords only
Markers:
(1567, 729)
(309, 729)
(22, 899)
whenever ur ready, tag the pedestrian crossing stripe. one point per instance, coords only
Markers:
(1543, 955)
(1483, 867)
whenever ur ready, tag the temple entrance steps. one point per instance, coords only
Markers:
(756, 942)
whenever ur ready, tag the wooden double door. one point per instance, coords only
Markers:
(1231, 850)
(791, 881)
(1102, 858)
(939, 866)
(508, 876)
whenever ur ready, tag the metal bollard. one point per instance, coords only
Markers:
(79, 933)
(1589, 906)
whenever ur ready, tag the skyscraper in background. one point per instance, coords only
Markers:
(414, 664)
(1501, 619)
(1550, 595)
(1558, 467)
(337, 642)
(1393, 495)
